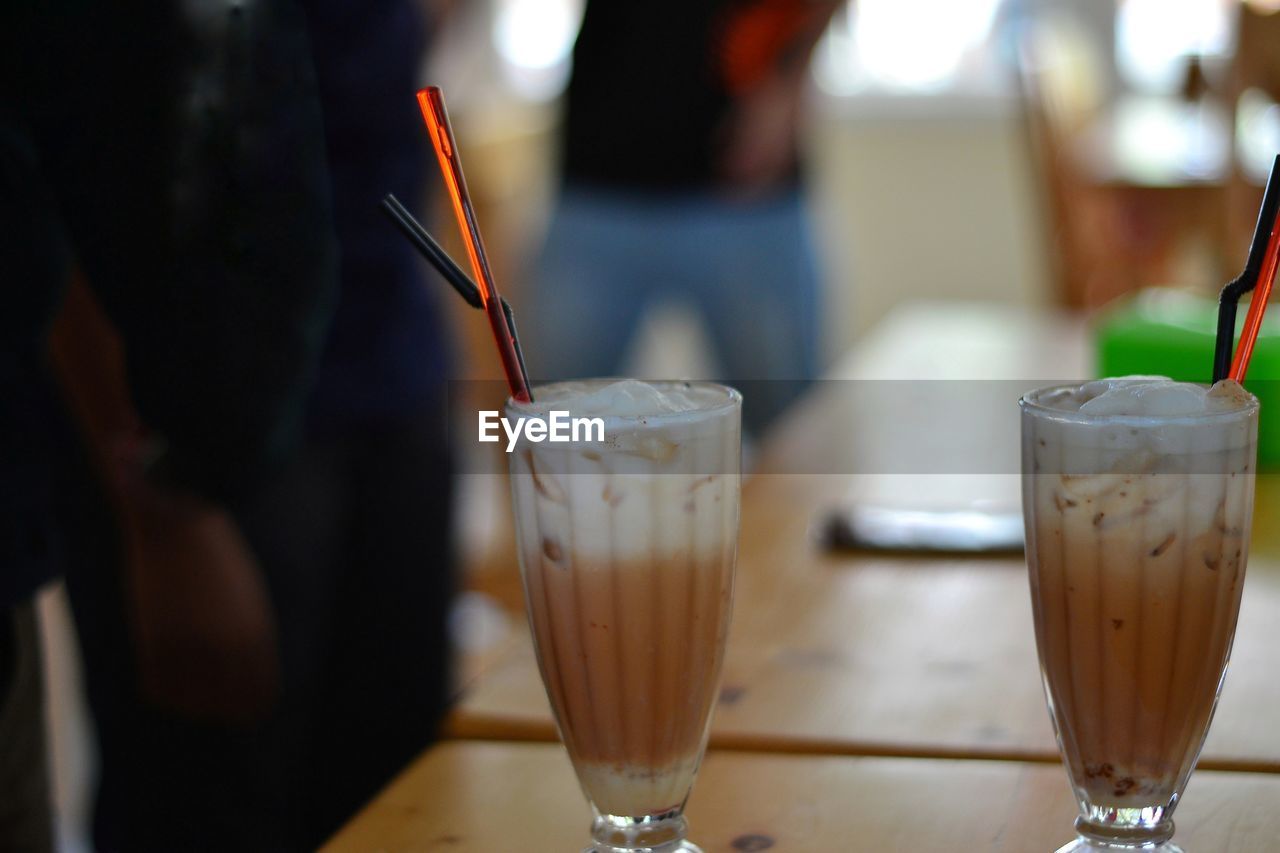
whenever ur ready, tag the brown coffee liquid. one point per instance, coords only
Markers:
(1136, 582)
(630, 651)
(627, 549)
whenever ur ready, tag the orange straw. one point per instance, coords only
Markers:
(1253, 320)
(431, 100)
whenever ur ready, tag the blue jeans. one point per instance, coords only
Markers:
(748, 269)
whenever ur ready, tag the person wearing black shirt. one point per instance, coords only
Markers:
(682, 180)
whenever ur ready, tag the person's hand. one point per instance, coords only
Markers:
(202, 620)
(758, 139)
(765, 53)
(200, 617)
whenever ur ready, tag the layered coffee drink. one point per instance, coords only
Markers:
(1138, 497)
(627, 547)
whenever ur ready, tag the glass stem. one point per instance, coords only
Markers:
(662, 833)
(1119, 828)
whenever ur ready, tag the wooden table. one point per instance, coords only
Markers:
(861, 689)
(882, 655)
(911, 655)
(484, 797)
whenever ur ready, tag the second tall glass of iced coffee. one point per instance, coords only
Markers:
(627, 548)
(1138, 496)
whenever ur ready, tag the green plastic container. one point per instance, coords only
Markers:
(1171, 333)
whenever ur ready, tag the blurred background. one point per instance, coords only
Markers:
(1022, 152)
(1009, 136)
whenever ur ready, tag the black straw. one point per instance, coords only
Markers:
(1248, 279)
(515, 340)
(432, 251)
(445, 265)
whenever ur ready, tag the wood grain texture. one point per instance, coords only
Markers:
(902, 654)
(484, 797)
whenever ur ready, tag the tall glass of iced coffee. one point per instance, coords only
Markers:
(627, 548)
(1138, 497)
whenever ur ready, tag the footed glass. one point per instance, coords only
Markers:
(1137, 535)
(627, 547)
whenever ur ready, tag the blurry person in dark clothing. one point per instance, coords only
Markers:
(682, 181)
(357, 534)
(262, 621)
(175, 157)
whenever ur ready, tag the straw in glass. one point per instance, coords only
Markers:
(431, 101)
(431, 250)
(449, 269)
(1259, 272)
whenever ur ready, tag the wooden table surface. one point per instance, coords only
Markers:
(475, 796)
(863, 653)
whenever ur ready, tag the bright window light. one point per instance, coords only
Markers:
(913, 47)
(1155, 37)
(1257, 133)
(534, 39)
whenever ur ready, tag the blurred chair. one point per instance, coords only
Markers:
(1133, 187)
(1060, 95)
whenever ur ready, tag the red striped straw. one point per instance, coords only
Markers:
(1258, 275)
(431, 100)
(1253, 320)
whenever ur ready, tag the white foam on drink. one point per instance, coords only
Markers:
(1121, 424)
(626, 398)
(659, 483)
(1146, 397)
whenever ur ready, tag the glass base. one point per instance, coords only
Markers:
(662, 833)
(1084, 845)
(680, 847)
(1111, 830)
